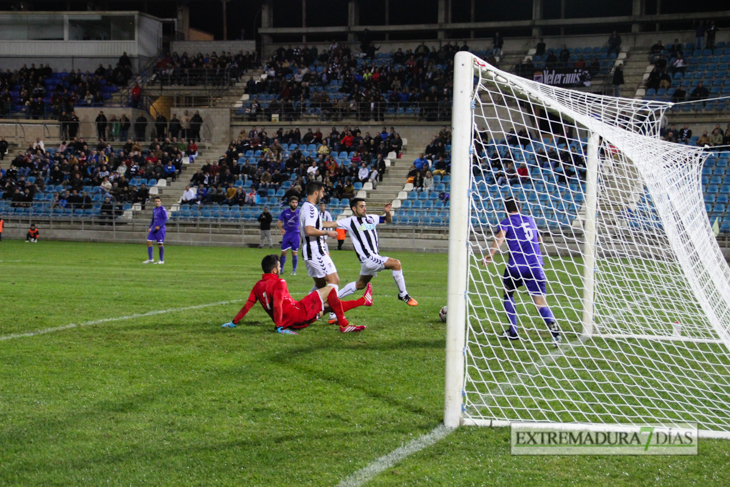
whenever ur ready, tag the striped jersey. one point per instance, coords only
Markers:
(326, 217)
(309, 216)
(363, 234)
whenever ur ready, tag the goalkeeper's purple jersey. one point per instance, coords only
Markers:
(290, 220)
(523, 241)
(159, 217)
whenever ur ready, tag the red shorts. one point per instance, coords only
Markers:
(305, 311)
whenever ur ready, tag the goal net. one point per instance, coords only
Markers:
(634, 277)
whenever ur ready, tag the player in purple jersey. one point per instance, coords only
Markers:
(289, 227)
(156, 233)
(524, 268)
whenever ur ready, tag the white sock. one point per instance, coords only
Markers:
(347, 290)
(400, 282)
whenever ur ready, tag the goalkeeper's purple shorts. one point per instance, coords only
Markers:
(531, 277)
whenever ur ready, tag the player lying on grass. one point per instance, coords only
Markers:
(288, 314)
(364, 236)
(525, 267)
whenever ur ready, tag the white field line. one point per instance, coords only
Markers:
(118, 318)
(364, 475)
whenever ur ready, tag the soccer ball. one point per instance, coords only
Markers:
(442, 314)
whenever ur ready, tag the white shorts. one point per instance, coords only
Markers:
(372, 265)
(320, 266)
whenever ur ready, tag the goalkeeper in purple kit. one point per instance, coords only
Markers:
(289, 227)
(156, 233)
(525, 267)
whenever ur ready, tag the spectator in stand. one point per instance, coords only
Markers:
(700, 35)
(421, 162)
(564, 56)
(727, 135)
(679, 95)
(140, 128)
(679, 65)
(580, 63)
(711, 31)
(160, 126)
(540, 47)
(703, 140)
(196, 122)
(441, 168)
(655, 51)
(101, 123)
(509, 176)
(497, 44)
(185, 121)
(136, 95)
(265, 219)
(675, 49)
(685, 135)
(614, 43)
(716, 139)
(427, 182)
(618, 80)
(142, 195)
(175, 126)
(4, 145)
(699, 93)
(524, 174)
(363, 174)
(124, 125)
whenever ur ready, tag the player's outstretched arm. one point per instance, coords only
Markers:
(388, 215)
(310, 231)
(246, 308)
(329, 224)
(498, 241)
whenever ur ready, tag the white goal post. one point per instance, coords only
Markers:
(634, 277)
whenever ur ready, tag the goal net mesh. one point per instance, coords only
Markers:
(656, 348)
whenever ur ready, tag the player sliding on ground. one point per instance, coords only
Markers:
(364, 236)
(524, 268)
(288, 314)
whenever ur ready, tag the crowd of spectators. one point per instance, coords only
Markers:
(337, 82)
(435, 160)
(202, 69)
(40, 93)
(717, 137)
(685, 72)
(279, 165)
(78, 176)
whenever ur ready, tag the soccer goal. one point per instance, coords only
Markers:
(635, 277)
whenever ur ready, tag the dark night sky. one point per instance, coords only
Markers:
(206, 15)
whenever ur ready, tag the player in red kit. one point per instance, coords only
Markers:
(289, 314)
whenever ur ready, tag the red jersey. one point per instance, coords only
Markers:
(271, 291)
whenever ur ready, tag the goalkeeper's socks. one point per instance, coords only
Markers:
(509, 308)
(162, 253)
(549, 319)
(283, 261)
(336, 306)
(149, 253)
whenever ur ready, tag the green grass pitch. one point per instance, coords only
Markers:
(174, 399)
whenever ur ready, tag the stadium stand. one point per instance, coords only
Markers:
(41, 93)
(74, 181)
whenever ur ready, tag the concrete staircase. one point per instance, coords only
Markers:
(170, 192)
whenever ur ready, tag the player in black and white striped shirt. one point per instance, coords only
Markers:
(364, 236)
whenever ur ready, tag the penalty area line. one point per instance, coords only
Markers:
(364, 475)
(108, 320)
